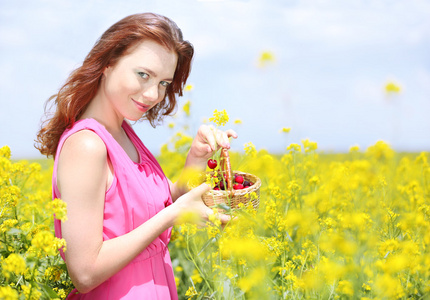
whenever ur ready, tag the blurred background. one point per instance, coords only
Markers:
(340, 73)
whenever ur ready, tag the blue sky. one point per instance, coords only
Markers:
(333, 59)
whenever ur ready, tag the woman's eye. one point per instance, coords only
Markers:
(143, 75)
(164, 83)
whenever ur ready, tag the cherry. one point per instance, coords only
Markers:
(238, 179)
(238, 186)
(221, 185)
(247, 183)
(212, 163)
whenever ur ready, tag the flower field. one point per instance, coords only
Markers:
(328, 226)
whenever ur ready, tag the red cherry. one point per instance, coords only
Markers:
(212, 163)
(238, 179)
(216, 188)
(221, 185)
(238, 186)
(247, 183)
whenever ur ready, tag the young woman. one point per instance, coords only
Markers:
(120, 205)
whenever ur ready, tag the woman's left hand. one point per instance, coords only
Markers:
(207, 141)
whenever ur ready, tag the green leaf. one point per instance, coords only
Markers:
(48, 291)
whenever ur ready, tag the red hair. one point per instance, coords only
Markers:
(83, 83)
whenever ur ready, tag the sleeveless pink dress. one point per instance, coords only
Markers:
(138, 192)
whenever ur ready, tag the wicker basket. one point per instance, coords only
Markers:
(231, 197)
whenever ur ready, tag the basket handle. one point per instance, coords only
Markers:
(225, 166)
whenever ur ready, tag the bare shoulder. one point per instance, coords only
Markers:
(84, 143)
(82, 163)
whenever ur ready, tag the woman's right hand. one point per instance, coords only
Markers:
(192, 202)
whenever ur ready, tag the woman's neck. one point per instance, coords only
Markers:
(100, 110)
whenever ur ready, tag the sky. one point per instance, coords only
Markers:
(333, 59)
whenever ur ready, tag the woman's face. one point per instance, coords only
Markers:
(138, 81)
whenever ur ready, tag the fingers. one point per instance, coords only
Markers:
(231, 133)
(217, 138)
(220, 216)
(209, 136)
(200, 190)
(222, 139)
(224, 218)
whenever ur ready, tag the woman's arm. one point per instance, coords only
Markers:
(82, 176)
(207, 141)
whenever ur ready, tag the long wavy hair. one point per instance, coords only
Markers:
(82, 85)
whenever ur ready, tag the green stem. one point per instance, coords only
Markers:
(196, 265)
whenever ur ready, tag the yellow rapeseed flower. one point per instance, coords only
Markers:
(345, 287)
(186, 108)
(294, 147)
(354, 148)
(191, 292)
(220, 118)
(8, 293)
(266, 58)
(44, 243)
(188, 87)
(392, 87)
(250, 149)
(5, 152)
(13, 264)
(59, 208)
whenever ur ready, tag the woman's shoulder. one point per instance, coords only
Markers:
(85, 143)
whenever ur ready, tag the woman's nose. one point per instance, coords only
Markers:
(150, 93)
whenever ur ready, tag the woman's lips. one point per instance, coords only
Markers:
(140, 106)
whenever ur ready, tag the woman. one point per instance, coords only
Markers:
(121, 207)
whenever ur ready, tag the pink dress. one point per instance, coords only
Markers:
(138, 192)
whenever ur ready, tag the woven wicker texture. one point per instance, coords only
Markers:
(231, 197)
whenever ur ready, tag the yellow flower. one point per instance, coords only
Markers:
(44, 243)
(380, 151)
(188, 87)
(196, 277)
(354, 148)
(309, 146)
(8, 293)
(31, 292)
(250, 149)
(220, 118)
(186, 108)
(238, 121)
(392, 87)
(345, 287)
(13, 264)
(285, 130)
(5, 152)
(387, 286)
(254, 278)
(53, 273)
(246, 248)
(59, 208)
(191, 292)
(7, 225)
(294, 147)
(266, 58)
(366, 286)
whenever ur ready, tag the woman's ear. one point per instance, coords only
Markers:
(107, 70)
